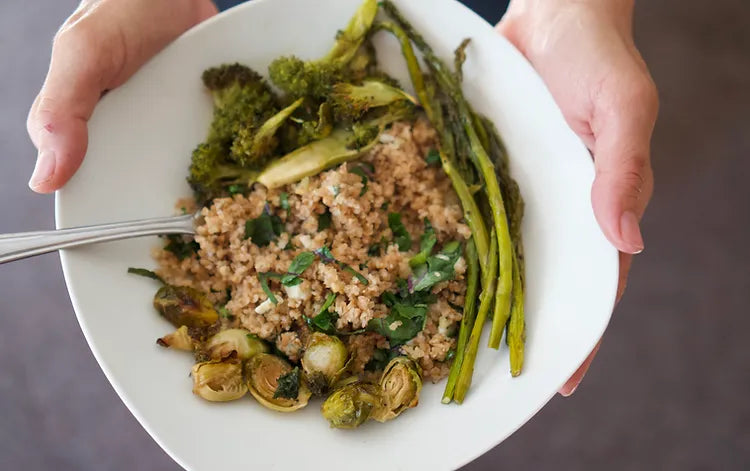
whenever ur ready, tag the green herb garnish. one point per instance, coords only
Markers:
(300, 263)
(432, 158)
(364, 170)
(181, 246)
(288, 385)
(400, 235)
(439, 267)
(325, 220)
(326, 256)
(284, 200)
(264, 229)
(263, 278)
(426, 244)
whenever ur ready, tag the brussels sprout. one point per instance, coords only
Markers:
(399, 387)
(350, 406)
(179, 339)
(323, 362)
(241, 341)
(265, 374)
(182, 305)
(218, 381)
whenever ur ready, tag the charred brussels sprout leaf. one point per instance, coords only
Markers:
(288, 385)
(263, 372)
(239, 342)
(145, 273)
(183, 305)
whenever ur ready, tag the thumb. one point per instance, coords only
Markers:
(622, 126)
(98, 48)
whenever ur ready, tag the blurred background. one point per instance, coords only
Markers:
(669, 389)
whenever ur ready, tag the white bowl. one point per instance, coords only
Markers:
(141, 139)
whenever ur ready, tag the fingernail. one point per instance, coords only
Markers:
(569, 392)
(630, 232)
(44, 169)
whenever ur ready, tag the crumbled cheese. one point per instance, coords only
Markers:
(300, 291)
(265, 306)
(305, 240)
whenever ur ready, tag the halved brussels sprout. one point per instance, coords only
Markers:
(241, 341)
(324, 361)
(218, 381)
(350, 406)
(179, 339)
(399, 387)
(183, 305)
(265, 374)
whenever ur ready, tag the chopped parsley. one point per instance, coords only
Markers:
(432, 158)
(438, 267)
(300, 263)
(264, 229)
(181, 246)
(365, 171)
(284, 200)
(263, 278)
(325, 320)
(400, 235)
(426, 244)
(287, 385)
(325, 220)
(327, 257)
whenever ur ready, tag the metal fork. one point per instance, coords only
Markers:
(28, 244)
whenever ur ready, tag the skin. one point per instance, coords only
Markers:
(583, 49)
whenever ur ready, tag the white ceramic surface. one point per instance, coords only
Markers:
(141, 139)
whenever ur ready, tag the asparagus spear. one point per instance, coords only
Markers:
(467, 321)
(432, 108)
(485, 303)
(449, 85)
(516, 335)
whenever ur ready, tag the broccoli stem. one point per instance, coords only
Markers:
(467, 321)
(312, 159)
(467, 365)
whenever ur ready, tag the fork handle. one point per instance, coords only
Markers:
(28, 244)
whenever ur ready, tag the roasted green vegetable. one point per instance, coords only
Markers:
(324, 361)
(218, 381)
(183, 305)
(179, 340)
(239, 342)
(351, 405)
(263, 373)
(400, 386)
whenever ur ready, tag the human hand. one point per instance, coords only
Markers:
(97, 49)
(584, 52)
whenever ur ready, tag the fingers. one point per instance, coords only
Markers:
(98, 48)
(624, 117)
(571, 385)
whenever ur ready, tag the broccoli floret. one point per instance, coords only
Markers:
(253, 147)
(299, 78)
(350, 102)
(241, 99)
(212, 175)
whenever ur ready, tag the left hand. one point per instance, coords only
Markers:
(584, 52)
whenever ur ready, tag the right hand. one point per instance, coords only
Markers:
(98, 48)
